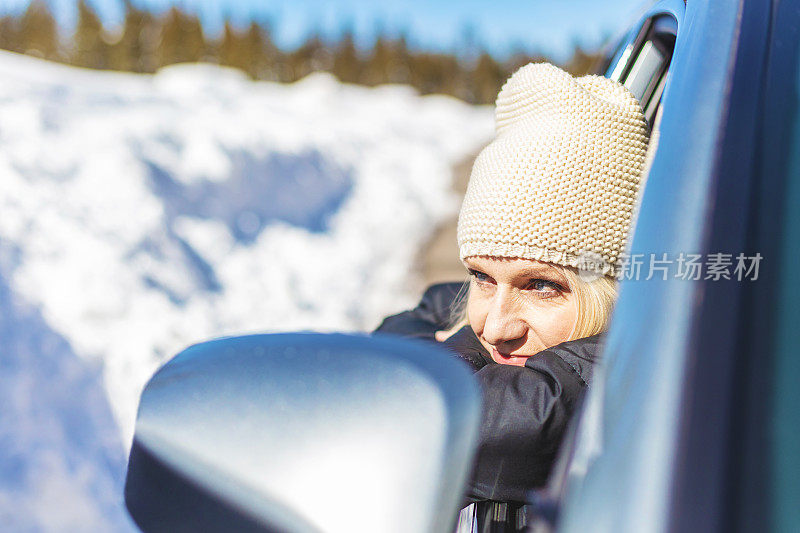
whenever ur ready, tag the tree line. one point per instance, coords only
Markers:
(148, 41)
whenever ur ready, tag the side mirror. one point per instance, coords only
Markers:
(304, 432)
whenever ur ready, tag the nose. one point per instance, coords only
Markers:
(503, 321)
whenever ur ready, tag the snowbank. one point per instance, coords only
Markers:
(140, 214)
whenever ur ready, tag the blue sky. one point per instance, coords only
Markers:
(550, 26)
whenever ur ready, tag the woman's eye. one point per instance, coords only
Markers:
(479, 276)
(543, 285)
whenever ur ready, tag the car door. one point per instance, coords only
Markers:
(687, 425)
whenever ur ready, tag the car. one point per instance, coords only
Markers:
(691, 423)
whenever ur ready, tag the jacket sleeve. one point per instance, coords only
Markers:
(431, 315)
(526, 411)
(466, 346)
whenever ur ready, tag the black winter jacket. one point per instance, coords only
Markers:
(525, 409)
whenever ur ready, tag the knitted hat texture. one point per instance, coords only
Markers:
(559, 181)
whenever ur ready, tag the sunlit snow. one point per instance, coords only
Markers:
(140, 214)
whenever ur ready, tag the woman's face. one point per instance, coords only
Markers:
(518, 307)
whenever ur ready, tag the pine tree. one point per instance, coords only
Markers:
(194, 47)
(136, 49)
(270, 55)
(582, 62)
(311, 56)
(432, 73)
(181, 39)
(520, 58)
(487, 78)
(88, 47)
(399, 70)
(232, 51)
(346, 63)
(38, 34)
(377, 64)
(148, 42)
(9, 34)
(451, 76)
(377, 61)
(254, 51)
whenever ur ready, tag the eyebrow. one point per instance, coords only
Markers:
(529, 272)
(537, 270)
(543, 271)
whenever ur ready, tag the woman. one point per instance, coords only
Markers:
(544, 221)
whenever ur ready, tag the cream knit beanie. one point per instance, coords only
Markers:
(559, 181)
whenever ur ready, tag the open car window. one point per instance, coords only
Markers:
(642, 61)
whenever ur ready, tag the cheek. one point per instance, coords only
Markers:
(553, 322)
(477, 309)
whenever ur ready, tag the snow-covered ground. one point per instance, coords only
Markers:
(140, 214)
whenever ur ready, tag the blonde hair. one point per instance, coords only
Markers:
(595, 300)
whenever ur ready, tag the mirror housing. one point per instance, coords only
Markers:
(304, 432)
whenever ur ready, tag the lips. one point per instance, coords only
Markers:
(506, 359)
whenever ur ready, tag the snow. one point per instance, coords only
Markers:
(140, 214)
